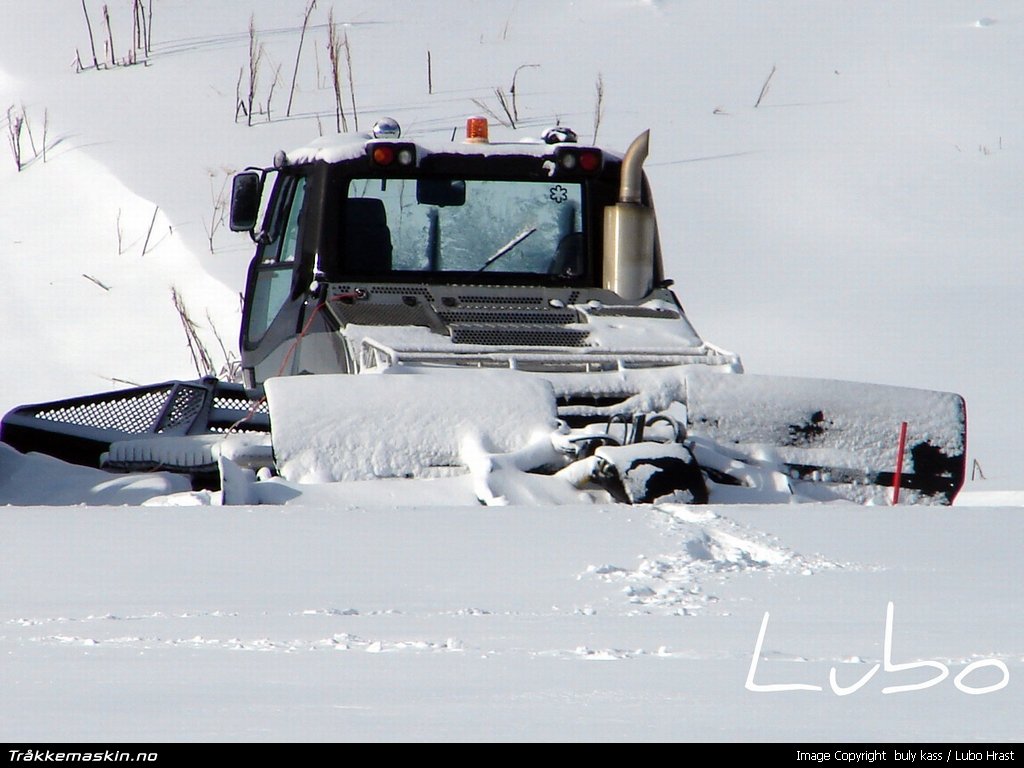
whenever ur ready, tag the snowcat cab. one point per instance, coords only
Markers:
(485, 250)
(498, 312)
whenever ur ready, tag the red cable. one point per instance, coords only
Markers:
(294, 345)
(309, 322)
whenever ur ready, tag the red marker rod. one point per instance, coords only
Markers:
(900, 450)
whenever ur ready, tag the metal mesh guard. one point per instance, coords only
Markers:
(239, 403)
(188, 402)
(134, 413)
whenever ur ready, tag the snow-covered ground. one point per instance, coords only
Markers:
(515, 623)
(860, 223)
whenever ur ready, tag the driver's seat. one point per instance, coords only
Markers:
(367, 239)
(568, 258)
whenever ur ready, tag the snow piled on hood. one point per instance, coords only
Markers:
(329, 428)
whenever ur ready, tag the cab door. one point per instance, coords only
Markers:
(275, 293)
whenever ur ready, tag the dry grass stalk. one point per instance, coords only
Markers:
(298, 54)
(351, 83)
(512, 88)
(14, 126)
(200, 355)
(110, 36)
(598, 104)
(255, 57)
(92, 41)
(764, 88)
(334, 50)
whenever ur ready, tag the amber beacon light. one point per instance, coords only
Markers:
(476, 130)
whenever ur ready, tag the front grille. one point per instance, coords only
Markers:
(368, 313)
(521, 337)
(503, 300)
(519, 317)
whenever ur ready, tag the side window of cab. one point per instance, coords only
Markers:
(275, 269)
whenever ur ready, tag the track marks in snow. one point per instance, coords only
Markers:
(98, 631)
(586, 653)
(692, 551)
(708, 546)
(330, 612)
(337, 642)
(351, 642)
(33, 622)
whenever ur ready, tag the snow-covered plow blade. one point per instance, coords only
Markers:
(402, 426)
(844, 436)
(636, 436)
(682, 433)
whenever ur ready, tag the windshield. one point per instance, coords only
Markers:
(455, 225)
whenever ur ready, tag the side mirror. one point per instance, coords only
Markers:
(246, 191)
(440, 192)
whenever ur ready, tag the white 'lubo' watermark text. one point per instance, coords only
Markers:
(889, 666)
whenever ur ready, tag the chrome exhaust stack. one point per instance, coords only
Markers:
(629, 229)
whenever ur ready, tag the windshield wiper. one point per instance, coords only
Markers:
(508, 247)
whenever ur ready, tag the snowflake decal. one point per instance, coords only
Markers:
(558, 193)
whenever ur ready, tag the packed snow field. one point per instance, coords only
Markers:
(859, 223)
(515, 623)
